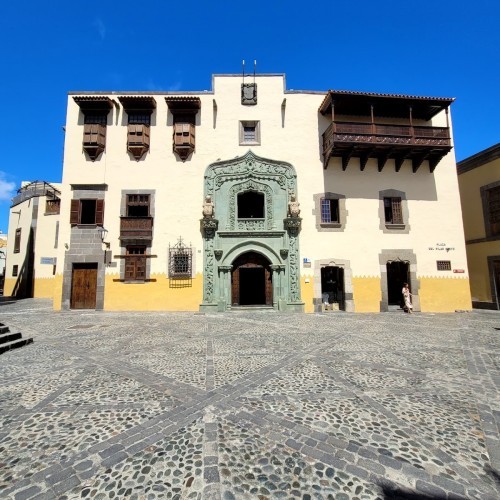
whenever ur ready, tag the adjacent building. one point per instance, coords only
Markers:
(252, 195)
(32, 242)
(479, 182)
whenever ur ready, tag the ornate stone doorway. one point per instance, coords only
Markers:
(251, 281)
(250, 229)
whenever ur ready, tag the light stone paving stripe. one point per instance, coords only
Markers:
(249, 405)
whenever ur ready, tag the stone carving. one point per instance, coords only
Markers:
(249, 166)
(208, 208)
(251, 224)
(250, 185)
(277, 181)
(293, 206)
(294, 266)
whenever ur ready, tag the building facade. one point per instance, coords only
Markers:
(32, 242)
(254, 195)
(479, 183)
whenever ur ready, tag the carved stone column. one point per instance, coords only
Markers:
(209, 227)
(224, 287)
(278, 292)
(292, 225)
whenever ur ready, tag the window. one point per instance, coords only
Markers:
(135, 263)
(138, 205)
(184, 110)
(443, 265)
(87, 212)
(251, 205)
(392, 210)
(95, 111)
(52, 206)
(329, 211)
(249, 132)
(139, 111)
(493, 200)
(17, 241)
(15, 270)
(180, 261)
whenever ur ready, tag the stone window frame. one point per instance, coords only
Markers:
(484, 190)
(249, 123)
(386, 227)
(343, 213)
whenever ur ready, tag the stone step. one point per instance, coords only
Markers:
(3, 328)
(8, 336)
(14, 344)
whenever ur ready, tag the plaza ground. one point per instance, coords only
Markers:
(249, 404)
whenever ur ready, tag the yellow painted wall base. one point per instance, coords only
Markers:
(444, 294)
(367, 294)
(307, 293)
(44, 288)
(58, 285)
(152, 296)
(8, 286)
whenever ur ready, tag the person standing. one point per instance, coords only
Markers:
(407, 298)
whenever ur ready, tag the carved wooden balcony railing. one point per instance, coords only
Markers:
(136, 228)
(138, 139)
(383, 142)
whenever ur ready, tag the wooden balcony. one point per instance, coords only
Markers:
(383, 142)
(136, 228)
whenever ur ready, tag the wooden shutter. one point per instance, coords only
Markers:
(397, 213)
(145, 137)
(99, 212)
(74, 217)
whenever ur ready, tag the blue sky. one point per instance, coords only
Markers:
(445, 48)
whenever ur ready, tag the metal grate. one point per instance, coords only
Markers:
(180, 264)
(443, 265)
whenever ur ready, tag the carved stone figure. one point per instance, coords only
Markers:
(293, 206)
(208, 208)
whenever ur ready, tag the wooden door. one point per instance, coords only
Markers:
(84, 286)
(251, 280)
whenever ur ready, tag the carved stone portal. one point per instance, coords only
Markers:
(228, 238)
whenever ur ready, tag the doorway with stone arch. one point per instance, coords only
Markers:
(251, 281)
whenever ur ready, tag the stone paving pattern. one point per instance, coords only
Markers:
(249, 405)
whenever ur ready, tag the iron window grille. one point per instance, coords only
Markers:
(180, 264)
(443, 265)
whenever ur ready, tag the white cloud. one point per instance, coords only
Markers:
(7, 189)
(98, 23)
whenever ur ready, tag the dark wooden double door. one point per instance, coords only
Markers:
(251, 281)
(84, 286)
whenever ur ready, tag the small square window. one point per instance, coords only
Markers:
(443, 265)
(15, 270)
(250, 132)
(329, 211)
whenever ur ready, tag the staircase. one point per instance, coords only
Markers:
(9, 340)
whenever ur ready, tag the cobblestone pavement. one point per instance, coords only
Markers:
(249, 405)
